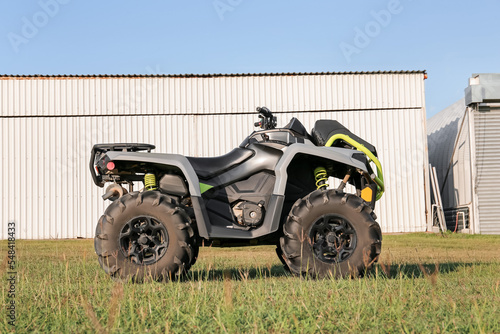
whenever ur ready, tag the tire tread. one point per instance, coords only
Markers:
(295, 237)
(185, 246)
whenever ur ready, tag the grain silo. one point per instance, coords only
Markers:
(464, 142)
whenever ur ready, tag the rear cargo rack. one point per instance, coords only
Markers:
(98, 149)
(125, 147)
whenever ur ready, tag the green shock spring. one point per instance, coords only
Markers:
(150, 181)
(321, 177)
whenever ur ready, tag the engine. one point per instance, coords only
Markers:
(249, 214)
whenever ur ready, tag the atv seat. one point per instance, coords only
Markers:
(207, 168)
(324, 129)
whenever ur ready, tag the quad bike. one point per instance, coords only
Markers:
(273, 189)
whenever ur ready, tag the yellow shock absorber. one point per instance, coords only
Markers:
(150, 181)
(321, 178)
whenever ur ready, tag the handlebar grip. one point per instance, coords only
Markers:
(264, 111)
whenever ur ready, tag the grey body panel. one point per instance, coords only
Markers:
(271, 224)
(265, 158)
(175, 160)
(200, 213)
(341, 155)
(173, 184)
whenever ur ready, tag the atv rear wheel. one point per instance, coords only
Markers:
(329, 233)
(145, 235)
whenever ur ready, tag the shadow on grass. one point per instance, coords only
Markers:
(416, 270)
(412, 270)
(235, 274)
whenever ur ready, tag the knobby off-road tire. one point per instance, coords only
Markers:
(145, 235)
(329, 233)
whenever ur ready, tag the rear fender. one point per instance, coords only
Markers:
(172, 162)
(167, 161)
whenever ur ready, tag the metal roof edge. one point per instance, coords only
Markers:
(483, 87)
(35, 76)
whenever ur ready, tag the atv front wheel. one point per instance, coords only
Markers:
(144, 235)
(329, 233)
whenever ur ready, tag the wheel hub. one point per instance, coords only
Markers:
(333, 238)
(144, 240)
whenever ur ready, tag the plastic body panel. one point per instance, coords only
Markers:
(339, 155)
(173, 184)
(281, 137)
(175, 160)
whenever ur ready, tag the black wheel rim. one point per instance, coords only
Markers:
(144, 240)
(333, 238)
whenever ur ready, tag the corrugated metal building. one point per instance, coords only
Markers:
(464, 147)
(49, 124)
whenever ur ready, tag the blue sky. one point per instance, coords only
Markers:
(449, 39)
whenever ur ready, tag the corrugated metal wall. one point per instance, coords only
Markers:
(50, 124)
(487, 139)
(446, 146)
(97, 96)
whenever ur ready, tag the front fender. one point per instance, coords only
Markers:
(341, 155)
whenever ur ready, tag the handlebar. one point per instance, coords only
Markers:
(264, 111)
(267, 120)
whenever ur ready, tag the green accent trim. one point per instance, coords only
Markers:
(204, 187)
(379, 179)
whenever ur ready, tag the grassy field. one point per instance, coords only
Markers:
(423, 283)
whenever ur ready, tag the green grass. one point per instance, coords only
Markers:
(424, 283)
